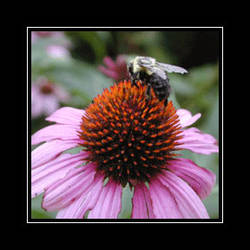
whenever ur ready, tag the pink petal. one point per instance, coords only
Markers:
(109, 202)
(57, 131)
(163, 201)
(51, 172)
(50, 104)
(109, 62)
(187, 201)
(49, 151)
(110, 73)
(200, 179)
(84, 203)
(142, 205)
(198, 142)
(66, 190)
(67, 115)
(186, 117)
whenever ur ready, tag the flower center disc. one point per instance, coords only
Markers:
(130, 137)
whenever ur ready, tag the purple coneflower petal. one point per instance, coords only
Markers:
(109, 62)
(108, 72)
(163, 201)
(47, 174)
(109, 202)
(200, 179)
(66, 190)
(186, 117)
(67, 115)
(57, 131)
(49, 151)
(198, 142)
(187, 201)
(142, 205)
(85, 202)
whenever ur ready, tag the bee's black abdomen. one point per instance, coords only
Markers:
(161, 87)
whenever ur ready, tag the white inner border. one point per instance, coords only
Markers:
(118, 221)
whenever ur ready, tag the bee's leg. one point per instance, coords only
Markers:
(134, 78)
(166, 102)
(134, 83)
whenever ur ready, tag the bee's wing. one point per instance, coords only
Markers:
(154, 69)
(171, 68)
(159, 72)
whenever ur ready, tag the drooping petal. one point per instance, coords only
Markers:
(47, 174)
(67, 115)
(84, 203)
(141, 203)
(49, 151)
(57, 131)
(109, 202)
(188, 202)
(163, 201)
(66, 190)
(186, 118)
(200, 179)
(198, 142)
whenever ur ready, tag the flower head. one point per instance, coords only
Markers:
(116, 70)
(129, 137)
(125, 138)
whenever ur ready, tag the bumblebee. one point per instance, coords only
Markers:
(153, 73)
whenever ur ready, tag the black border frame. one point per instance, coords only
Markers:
(28, 219)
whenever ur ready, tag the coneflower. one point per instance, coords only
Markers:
(126, 138)
(46, 97)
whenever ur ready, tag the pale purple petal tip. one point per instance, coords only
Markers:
(186, 118)
(49, 151)
(57, 131)
(198, 142)
(67, 115)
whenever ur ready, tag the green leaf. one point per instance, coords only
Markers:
(80, 78)
(36, 210)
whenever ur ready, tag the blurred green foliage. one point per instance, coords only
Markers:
(79, 75)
